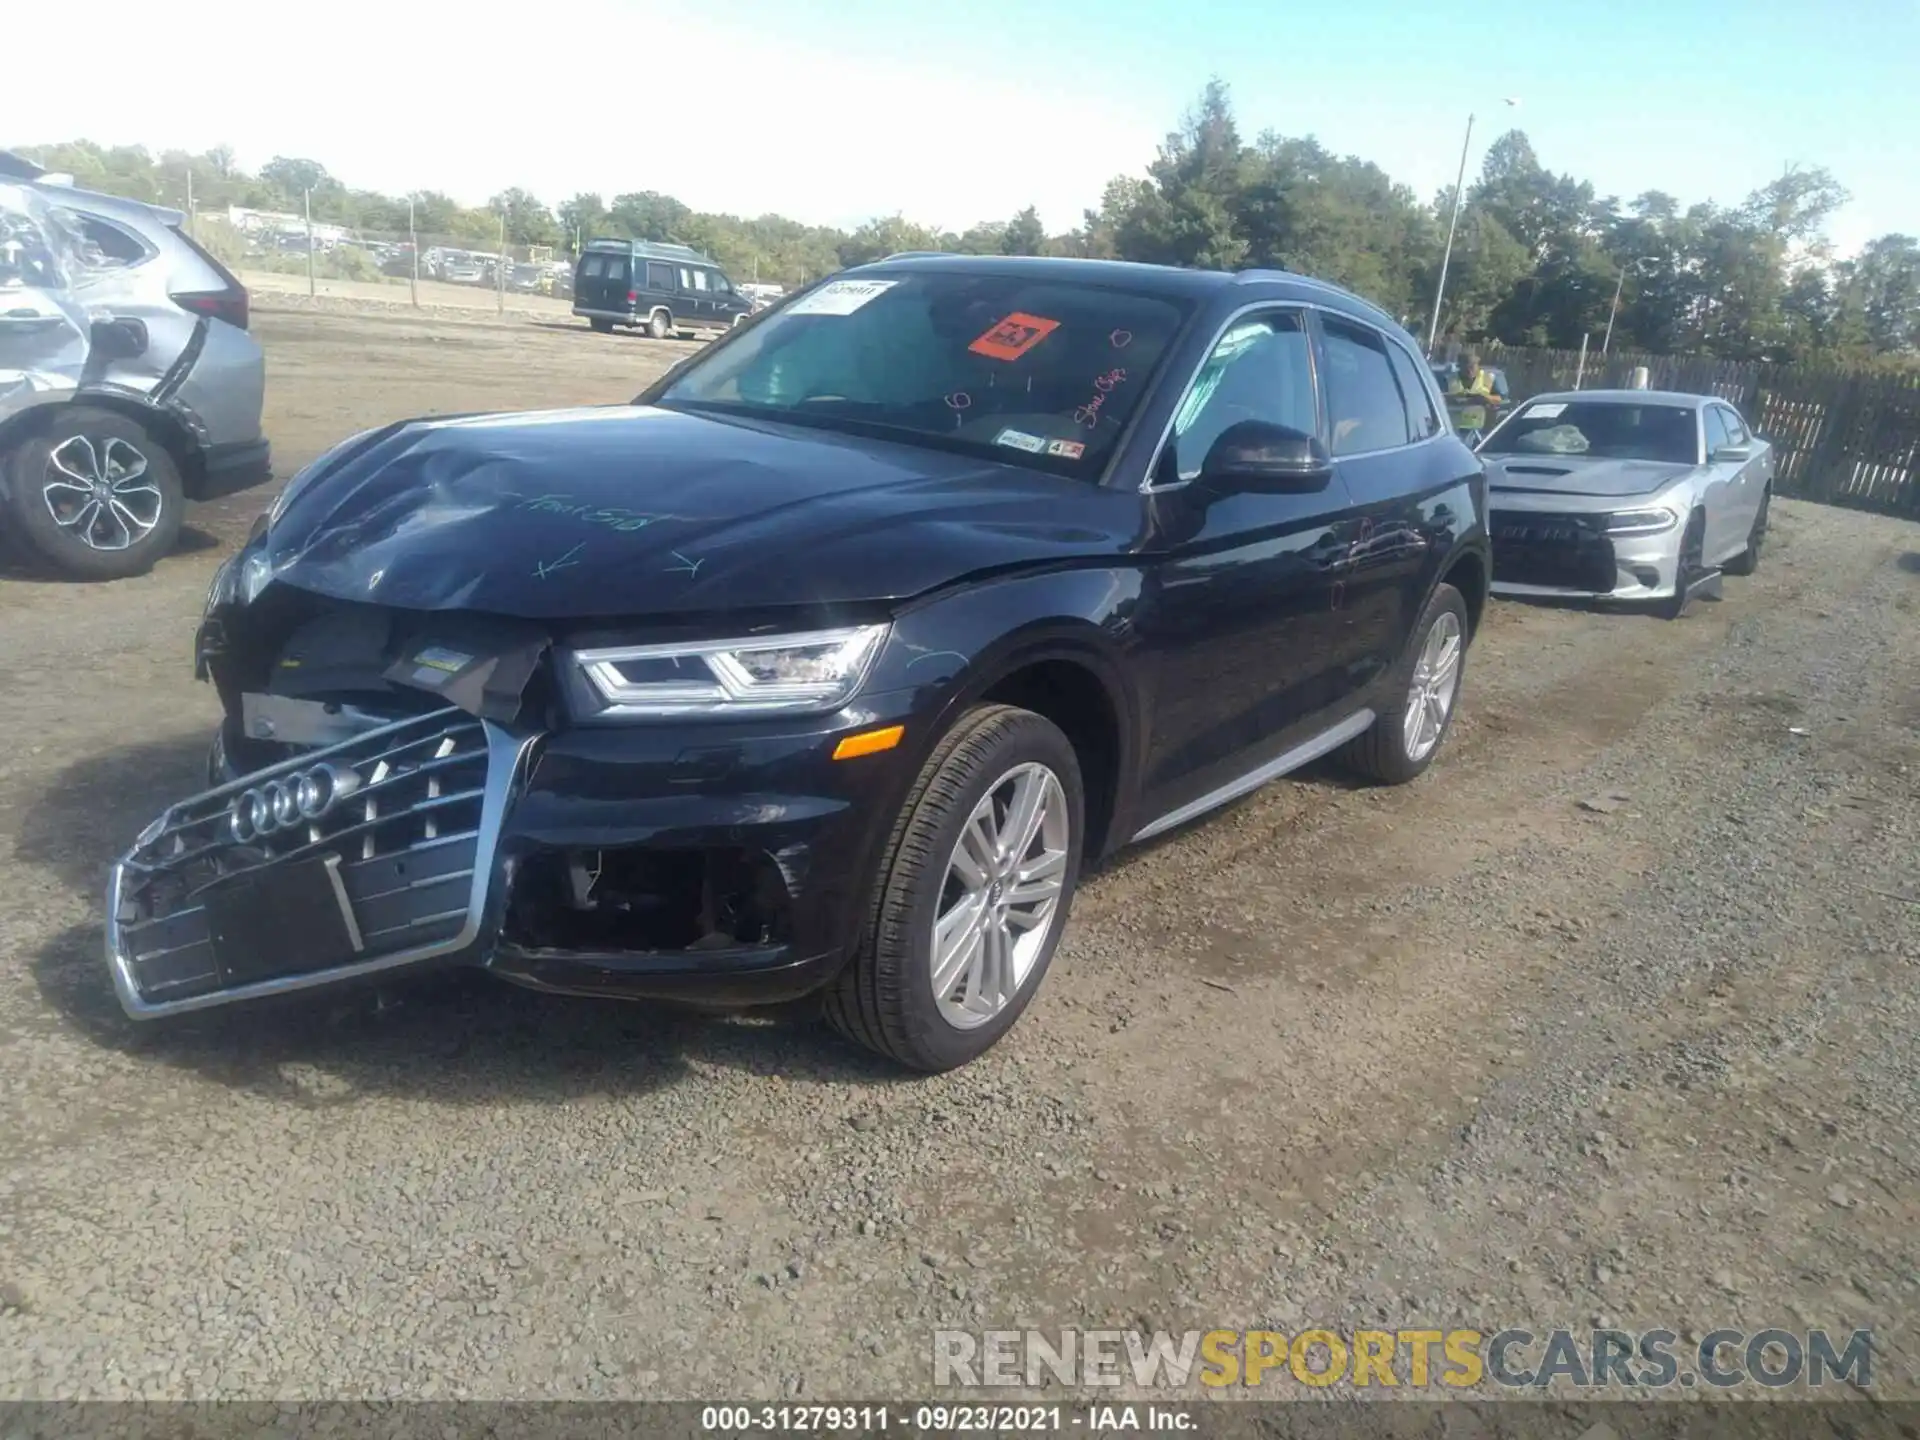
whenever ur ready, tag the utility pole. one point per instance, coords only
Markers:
(1446, 256)
(190, 226)
(1612, 311)
(307, 200)
(1453, 224)
(413, 246)
(500, 269)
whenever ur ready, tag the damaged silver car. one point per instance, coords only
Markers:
(128, 382)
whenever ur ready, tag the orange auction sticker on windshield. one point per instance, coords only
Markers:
(1014, 336)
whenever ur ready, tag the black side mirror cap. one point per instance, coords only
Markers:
(1274, 459)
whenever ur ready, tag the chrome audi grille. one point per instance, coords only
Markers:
(400, 819)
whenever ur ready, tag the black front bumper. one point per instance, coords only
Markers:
(473, 850)
(1564, 551)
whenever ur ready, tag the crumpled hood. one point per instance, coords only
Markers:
(1579, 474)
(628, 510)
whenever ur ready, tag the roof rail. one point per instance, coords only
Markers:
(1275, 272)
(658, 249)
(913, 255)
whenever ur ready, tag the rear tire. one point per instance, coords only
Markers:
(603, 326)
(1408, 734)
(1748, 560)
(95, 496)
(997, 947)
(660, 325)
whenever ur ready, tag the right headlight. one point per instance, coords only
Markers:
(806, 672)
(1641, 522)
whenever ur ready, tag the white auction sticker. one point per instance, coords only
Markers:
(1020, 440)
(839, 297)
(1546, 412)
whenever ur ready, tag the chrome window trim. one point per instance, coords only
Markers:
(1147, 487)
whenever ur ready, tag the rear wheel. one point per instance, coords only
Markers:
(603, 326)
(660, 325)
(95, 496)
(1748, 560)
(1407, 735)
(972, 895)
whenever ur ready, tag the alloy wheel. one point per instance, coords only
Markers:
(1436, 682)
(99, 492)
(1001, 896)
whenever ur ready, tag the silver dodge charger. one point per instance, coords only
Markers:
(1641, 495)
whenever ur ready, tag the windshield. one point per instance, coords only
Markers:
(1605, 429)
(1037, 372)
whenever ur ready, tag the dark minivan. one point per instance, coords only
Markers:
(665, 288)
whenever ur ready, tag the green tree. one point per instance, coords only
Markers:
(1024, 234)
(1878, 298)
(582, 217)
(529, 222)
(292, 178)
(887, 235)
(649, 215)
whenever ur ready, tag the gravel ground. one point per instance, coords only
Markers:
(1609, 1019)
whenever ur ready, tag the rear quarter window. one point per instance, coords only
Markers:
(102, 245)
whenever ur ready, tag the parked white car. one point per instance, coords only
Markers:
(1641, 495)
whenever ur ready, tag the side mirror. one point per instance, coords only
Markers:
(1254, 455)
(1732, 454)
(120, 339)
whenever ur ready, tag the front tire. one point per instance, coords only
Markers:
(96, 496)
(1693, 547)
(973, 893)
(1748, 560)
(1406, 736)
(660, 325)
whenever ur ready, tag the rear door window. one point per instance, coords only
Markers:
(1363, 398)
(593, 267)
(1421, 419)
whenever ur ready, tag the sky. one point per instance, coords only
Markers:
(833, 111)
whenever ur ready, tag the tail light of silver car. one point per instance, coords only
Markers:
(1642, 522)
(229, 305)
(228, 302)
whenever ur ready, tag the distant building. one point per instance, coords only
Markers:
(273, 222)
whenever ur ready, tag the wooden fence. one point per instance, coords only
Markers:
(1839, 437)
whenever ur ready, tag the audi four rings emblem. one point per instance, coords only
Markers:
(302, 799)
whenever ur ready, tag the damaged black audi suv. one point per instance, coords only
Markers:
(827, 663)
